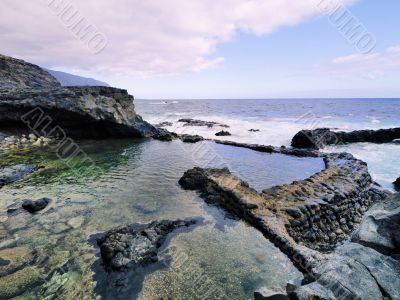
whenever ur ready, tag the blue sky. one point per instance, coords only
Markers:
(211, 55)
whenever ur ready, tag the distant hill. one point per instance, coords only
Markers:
(67, 79)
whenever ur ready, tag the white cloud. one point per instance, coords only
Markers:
(145, 37)
(354, 58)
(369, 66)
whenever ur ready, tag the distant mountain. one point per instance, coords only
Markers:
(67, 79)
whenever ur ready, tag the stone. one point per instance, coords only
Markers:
(397, 184)
(269, 294)
(163, 124)
(76, 222)
(223, 133)
(384, 269)
(187, 138)
(125, 248)
(254, 130)
(15, 173)
(35, 206)
(312, 291)
(318, 138)
(380, 227)
(19, 282)
(209, 124)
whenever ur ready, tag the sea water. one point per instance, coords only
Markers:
(280, 119)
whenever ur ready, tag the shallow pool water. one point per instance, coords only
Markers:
(52, 254)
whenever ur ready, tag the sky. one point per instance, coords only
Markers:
(198, 49)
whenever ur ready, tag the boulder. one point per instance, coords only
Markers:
(223, 133)
(128, 247)
(35, 206)
(318, 138)
(397, 184)
(11, 174)
(380, 227)
(187, 138)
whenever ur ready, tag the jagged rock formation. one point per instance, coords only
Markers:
(318, 138)
(32, 99)
(380, 227)
(16, 73)
(223, 133)
(136, 245)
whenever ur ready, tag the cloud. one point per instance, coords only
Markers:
(144, 38)
(369, 66)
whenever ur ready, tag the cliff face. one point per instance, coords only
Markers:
(18, 73)
(32, 99)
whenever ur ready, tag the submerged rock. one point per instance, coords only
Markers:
(209, 124)
(35, 206)
(268, 294)
(223, 133)
(163, 124)
(134, 245)
(187, 138)
(318, 138)
(11, 174)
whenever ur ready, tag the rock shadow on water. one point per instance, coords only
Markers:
(121, 276)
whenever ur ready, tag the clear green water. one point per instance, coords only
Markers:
(52, 257)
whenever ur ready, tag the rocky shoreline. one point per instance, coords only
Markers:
(338, 227)
(291, 228)
(318, 138)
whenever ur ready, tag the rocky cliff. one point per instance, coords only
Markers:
(18, 73)
(33, 100)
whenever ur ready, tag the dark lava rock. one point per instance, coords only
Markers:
(397, 184)
(164, 135)
(32, 98)
(193, 122)
(187, 138)
(125, 248)
(223, 133)
(11, 174)
(18, 73)
(254, 130)
(35, 206)
(320, 137)
(163, 124)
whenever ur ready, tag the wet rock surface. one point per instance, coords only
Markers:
(223, 133)
(273, 149)
(187, 138)
(136, 245)
(11, 174)
(194, 122)
(318, 138)
(35, 206)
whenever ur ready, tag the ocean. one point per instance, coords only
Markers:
(278, 120)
